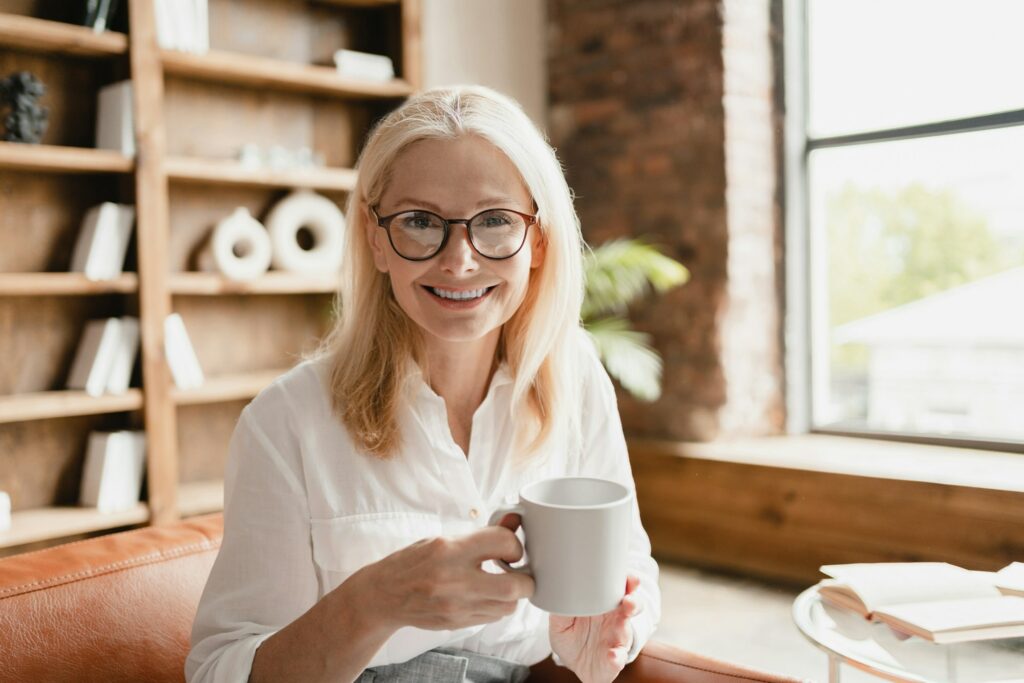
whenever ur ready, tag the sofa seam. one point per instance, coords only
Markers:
(699, 668)
(150, 558)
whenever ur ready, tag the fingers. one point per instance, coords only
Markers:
(506, 586)
(632, 581)
(493, 543)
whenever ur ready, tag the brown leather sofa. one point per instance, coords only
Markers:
(120, 608)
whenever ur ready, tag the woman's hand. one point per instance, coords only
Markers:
(595, 648)
(439, 584)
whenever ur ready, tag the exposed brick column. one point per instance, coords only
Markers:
(650, 124)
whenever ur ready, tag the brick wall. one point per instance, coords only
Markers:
(663, 112)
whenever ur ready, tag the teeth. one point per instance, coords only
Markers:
(459, 296)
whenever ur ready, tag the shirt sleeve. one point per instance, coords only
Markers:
(604, 455)
(264, 577)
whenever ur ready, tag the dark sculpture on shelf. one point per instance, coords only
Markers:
(26, 121)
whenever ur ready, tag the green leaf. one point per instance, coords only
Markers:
(628, 356)
(621, 271)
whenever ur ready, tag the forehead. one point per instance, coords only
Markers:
(454, 173)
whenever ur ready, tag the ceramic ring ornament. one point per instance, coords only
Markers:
(304, 209)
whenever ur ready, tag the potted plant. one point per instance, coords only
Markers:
(618, 273)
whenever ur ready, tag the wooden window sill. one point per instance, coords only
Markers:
(859, 457)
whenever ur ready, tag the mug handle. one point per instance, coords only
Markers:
(496, 517)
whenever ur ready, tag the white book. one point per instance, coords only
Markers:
(124, 359)
(181, 19)
(201, 27)
(115, 128)
(164, 25)
(181, 357)
(932, 600)
(114, 465)
(103, 241)
(5, 511)
(364, 65)
(94, 357)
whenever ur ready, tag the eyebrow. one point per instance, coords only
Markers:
(489, 203)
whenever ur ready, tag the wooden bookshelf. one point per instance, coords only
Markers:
(227, 388)
(42, 405)
(274, 282)
(192, 115)
(42, 524)
(228, 172)
(60, 159)
(262, 72)
(39, 35)
(64, 284)
(200, 497)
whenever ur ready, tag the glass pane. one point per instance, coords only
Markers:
(887, 63)
(918, 285)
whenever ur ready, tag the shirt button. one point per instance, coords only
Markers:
(474, 513)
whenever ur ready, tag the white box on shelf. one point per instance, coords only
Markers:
(103, 241)
(95, 355)
(5, 511)
(120, 374)
(181, 357)
(364, 65)
(115, 128)
(114, 464)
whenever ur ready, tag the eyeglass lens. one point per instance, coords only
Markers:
(495, 234)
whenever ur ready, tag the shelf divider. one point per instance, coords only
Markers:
(43, 524)
(264, 72)
(65, 284)
(59, 159)
(43, 405)
(40, 35)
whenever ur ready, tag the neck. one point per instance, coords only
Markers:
(460, 372)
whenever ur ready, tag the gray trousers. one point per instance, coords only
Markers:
(444, 665)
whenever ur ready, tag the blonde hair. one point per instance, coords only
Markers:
(373, 340)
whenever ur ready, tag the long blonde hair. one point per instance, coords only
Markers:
(373, 340)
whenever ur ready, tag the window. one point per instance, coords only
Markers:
(909, 172)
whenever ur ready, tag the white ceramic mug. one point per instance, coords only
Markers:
(577, 540)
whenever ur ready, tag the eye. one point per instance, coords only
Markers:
(495, 219)
(418, 220)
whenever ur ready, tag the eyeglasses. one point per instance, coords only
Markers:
(419, 235)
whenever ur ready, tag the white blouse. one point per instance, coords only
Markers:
(304, 510)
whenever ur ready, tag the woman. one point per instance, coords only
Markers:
(359, 484)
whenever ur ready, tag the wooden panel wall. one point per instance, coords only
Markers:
(782, 524)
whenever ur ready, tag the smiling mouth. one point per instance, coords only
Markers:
(460, 295)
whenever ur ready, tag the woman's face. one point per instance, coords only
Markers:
(456, 179)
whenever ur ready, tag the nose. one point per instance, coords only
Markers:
(458, 255)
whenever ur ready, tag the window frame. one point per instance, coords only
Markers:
(800, 317)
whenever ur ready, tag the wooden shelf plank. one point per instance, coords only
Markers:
(231, 387)
(41, 524)
(200, 497)
(274, 282)
(71, 284)
(40, 35)
(360, 3)
(66, 403)
(57, 159)
(263, 72)
(229, 172)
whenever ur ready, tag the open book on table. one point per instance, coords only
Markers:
(933, 600)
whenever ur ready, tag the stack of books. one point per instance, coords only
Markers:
(106, 356)
(935, 601)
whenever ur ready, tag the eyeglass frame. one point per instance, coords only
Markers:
(385, 222)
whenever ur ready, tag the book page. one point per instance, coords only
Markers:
(959, 615)
(893, 583)
(1011, 578)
